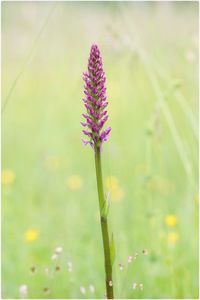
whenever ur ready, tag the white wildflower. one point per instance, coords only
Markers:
(141, 286)
(121, 267)
(54, 256)
(58, 250)
(23, 290)
(82, 289)
(69, 264)
(130, 258)
(91, 288)
(134, 285)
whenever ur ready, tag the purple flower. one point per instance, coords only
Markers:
(95, 101)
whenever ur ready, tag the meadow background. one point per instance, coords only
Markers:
(150, 163)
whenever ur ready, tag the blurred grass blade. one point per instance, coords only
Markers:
(27, 60)
(179, 97)
(158, 92)
(175, 134)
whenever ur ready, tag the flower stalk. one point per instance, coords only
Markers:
(104, 227)
(95, 104)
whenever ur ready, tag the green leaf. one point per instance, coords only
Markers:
(105, 209)
(112, 250)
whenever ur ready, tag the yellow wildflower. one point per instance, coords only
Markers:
(74, 182)
(111, 183)
(114, 190)
(52, 163)
(142, 169)
(173, 237)
(31, 235)
(159, 184)
(7, 176)
(117, 194)
(171, 220)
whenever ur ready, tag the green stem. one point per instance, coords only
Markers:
(104, 227)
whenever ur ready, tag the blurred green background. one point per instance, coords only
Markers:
(150, 163)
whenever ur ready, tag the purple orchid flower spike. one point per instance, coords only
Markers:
(95, 118)
(95, 101)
